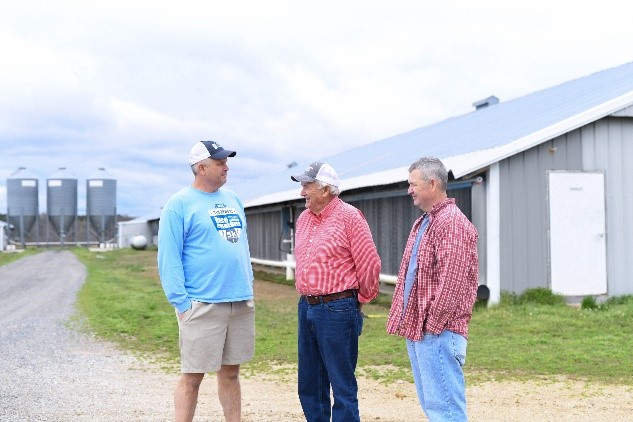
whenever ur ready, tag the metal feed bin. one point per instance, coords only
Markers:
(22, 204)
(101, 204)
(61, 201)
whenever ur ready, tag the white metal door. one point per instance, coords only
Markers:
(578, 261)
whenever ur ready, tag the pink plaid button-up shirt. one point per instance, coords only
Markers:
(445, 286)
(334, 251)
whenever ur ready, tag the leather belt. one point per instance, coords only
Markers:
(315, 300)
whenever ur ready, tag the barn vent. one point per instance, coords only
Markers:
(492, 100)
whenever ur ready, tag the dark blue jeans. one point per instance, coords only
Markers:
(328, 352)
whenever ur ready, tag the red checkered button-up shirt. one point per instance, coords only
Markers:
(445, 286)
(334, 251)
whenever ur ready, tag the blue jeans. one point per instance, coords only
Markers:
(328, 352)
(437, 362)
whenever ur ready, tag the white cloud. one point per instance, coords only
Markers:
(131, 85)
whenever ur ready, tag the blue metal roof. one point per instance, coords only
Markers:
(505, 128)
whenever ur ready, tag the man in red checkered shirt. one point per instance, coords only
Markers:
(337, 271)
(435, 293)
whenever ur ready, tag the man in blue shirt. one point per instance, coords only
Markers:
(205, 269)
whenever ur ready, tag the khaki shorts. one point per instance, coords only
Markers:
(215, 334)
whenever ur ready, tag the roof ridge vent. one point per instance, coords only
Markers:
(492, 100)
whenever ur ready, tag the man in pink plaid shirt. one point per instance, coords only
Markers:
(337, 272)
(435, 293)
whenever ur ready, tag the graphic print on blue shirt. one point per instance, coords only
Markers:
(227, 222)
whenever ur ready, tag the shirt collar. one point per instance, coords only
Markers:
(441, 205)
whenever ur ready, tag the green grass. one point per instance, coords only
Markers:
(7, 257)
(531, 336)
(276, 321)
(123, 301)
(522, 339)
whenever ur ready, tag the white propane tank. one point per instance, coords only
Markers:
(138, 242)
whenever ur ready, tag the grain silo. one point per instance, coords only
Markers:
(22, 204)
(61, 201)
(101, 204)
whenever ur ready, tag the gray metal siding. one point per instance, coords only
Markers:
(607, 146)
(523, 209)
(264, 234)
(478, 218)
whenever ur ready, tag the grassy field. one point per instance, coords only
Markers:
(533, 336)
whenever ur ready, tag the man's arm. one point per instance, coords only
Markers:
(170, 267)
(366, 259)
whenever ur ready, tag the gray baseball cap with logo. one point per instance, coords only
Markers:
(318, 171)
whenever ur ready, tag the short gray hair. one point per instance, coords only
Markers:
(334, 190)
(431, 168)
(194, 166)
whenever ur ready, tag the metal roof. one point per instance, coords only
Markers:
(22, 173)
(469, 142)
(142, 219)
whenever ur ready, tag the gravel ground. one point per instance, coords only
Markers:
(49, 372)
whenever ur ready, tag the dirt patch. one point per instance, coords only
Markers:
(274, 398)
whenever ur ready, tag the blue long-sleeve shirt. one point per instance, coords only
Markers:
(203, 251)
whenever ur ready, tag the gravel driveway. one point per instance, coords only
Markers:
(49, 372)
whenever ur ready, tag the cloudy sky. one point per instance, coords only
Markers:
(131, 85)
